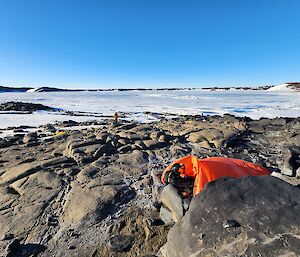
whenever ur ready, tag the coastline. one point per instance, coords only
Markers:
(144, 106)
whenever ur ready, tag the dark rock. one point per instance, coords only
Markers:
(50, 128)
(14, 139)
(52, 221)
(120, 243)
(154, 222)
(231, 224)
(125, 149)
(18, 130)
(106, 149)
(69, 123)
(4, 143)
(127, 126)
(13, 247)
(19, 106)
(16, 249)
(152, 144)
(266, 207)
(14, 89)
(291, 160)
(8, 236)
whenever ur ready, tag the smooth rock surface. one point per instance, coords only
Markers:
(266, 209)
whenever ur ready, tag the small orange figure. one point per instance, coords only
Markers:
(116, 117)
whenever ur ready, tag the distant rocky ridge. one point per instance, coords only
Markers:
(14, 89)
(52, 89)
(292, 85)
(24, 107)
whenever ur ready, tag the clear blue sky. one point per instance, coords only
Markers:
(148, 43)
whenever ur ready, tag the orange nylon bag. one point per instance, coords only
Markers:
(209, 169)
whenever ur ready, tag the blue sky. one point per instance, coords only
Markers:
(148, 43)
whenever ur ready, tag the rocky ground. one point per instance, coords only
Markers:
(88, 192)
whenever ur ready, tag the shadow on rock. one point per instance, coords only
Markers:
(17, 249)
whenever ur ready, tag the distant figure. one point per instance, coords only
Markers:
(116, 118)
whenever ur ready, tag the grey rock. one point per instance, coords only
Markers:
(120, 243)
(291, 160)
(123, 141)
(30, 137)
(170, 198)
(135, 158)
(166, 216)
(231, 224)
(152, 144)
(106, 149)
(266, 207)
(298, 173)
(4, 143)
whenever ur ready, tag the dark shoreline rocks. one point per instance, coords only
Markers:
(73, 191)
(24, 107)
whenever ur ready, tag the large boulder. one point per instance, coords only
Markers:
(250, 216)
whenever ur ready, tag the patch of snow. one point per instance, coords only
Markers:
(32, 90)
(282, 87)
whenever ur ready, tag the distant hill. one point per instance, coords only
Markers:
(14, 89)
(51, 89)
(294, 85)
(288, 85)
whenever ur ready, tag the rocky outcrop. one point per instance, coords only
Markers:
(290, 160)
(294, 85)
(14, 89)
(89, 192)
(85, 151)
(250, 216)
(27, 107)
